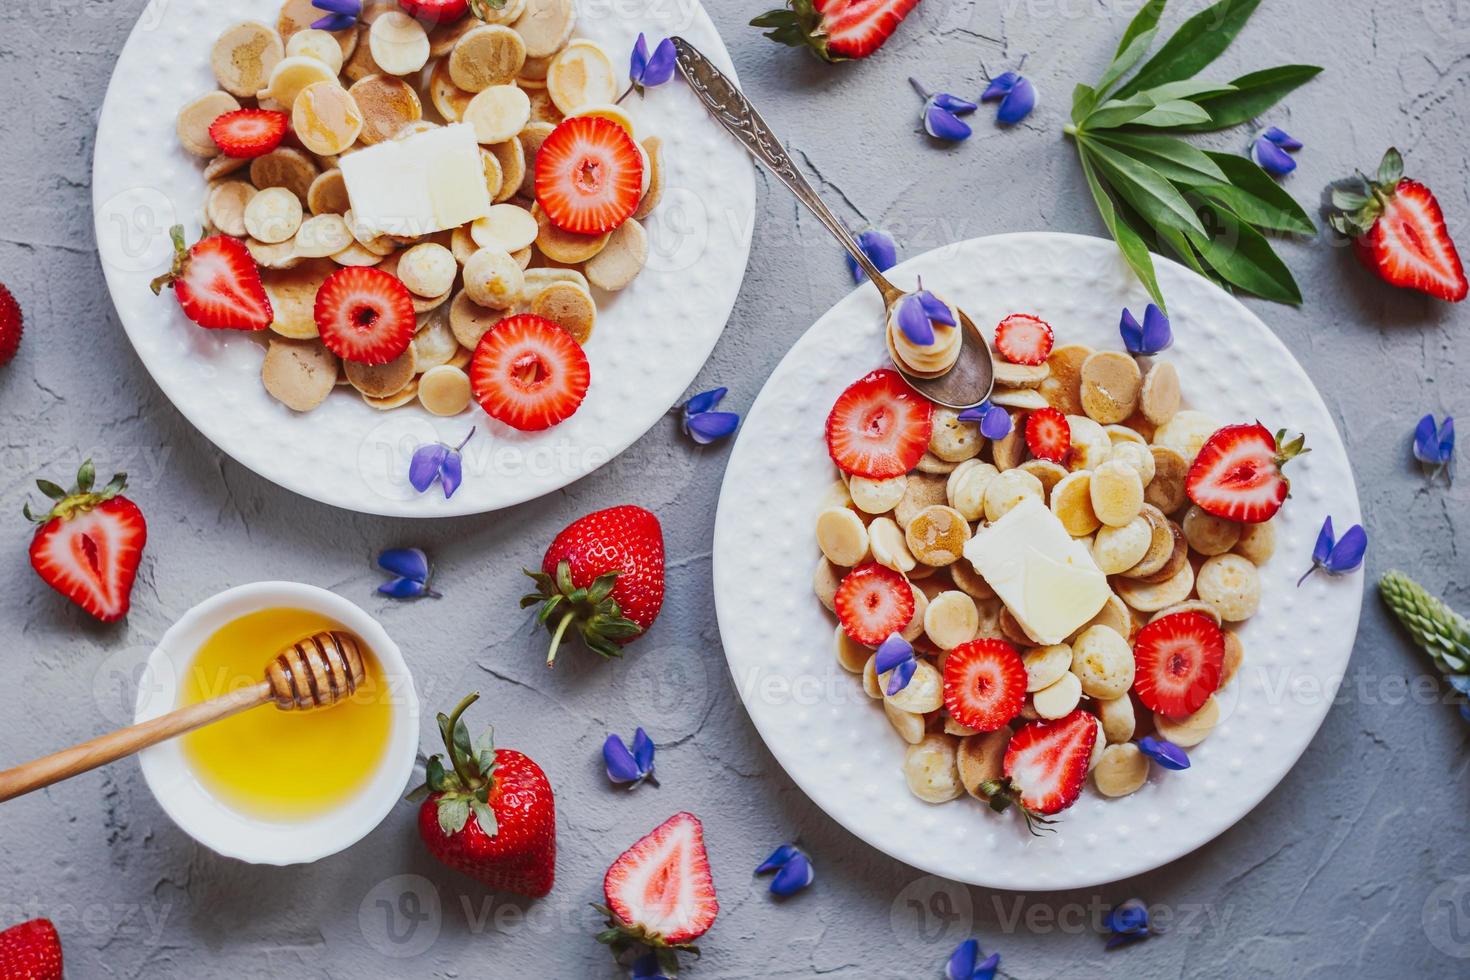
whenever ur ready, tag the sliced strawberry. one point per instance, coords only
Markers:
(433, 12)
(217, 284)
(662, 885)
(1237, 474)
(1410, 246)
(880, 427)
(365, 315)
(836, 30)
(1045, 765)
(1178, 661)
(12, 324)
(873, 603)
(1024, 339)
(89, 544)
(1049, 435)
(529, 373)
(589, 175)
(984, 684)
(248, 133)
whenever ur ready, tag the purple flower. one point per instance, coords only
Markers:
(1016, 94)
(647, 967)
(645, 70)
(918, 312)
(1153, 336)
(1337, 557)
(941, 114)
(880, 249)
(1434, 446)
(1165, 753)
(436, 461)
(896, 655)
(965, 963)
(410, 568)
(1127, 923)
(702, 423)
(1272, 151)
(995, 422)
(341, 14)
(793, 870)
(633, 767)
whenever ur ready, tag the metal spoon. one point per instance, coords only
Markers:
(965, 385)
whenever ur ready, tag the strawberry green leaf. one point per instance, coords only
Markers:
(1201, 39)
(454, 813)
(485, 817)
(1242, 256)
(1134, 250)
(51, 489)
(1253, 95)
(86, 476)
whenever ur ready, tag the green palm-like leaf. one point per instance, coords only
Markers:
(1147, 190)
(1253, 95)
(1133, 247)
(1255, 197)
(1177, 160)
(1242, 256)
(1202, 39)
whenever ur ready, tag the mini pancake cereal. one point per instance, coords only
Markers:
(469, 105)
(1072, 582)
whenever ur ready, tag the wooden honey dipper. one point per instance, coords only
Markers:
(316, 672)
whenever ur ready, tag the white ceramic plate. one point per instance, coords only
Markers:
(836, 743)
(650, 341)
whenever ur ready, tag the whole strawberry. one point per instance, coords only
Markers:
(89, 543)
(441, 11)
(217, 283)
(30, 951)
(835, 30)
(603, 577)
(1398, 231)
(490, 813)
(12, 324)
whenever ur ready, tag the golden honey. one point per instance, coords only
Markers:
(273, 764)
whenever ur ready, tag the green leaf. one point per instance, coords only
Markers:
(1177, 160)
(1179, 244)
(86, 476)
(1391, 169)
(486, 818)
(1146, 21)
(1243, 256)
(1255, 197)
(1196, 44)
(1127, 58)
(1135, 252)
(1157, 200)
(1253, 95)
(1172, 114)
(1192, 89)
(1346, 200)
(1084, 100)
(51, 490)
(453, 815)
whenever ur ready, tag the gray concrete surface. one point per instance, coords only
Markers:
(1357, 866)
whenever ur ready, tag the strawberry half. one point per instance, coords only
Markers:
(529, 373)
(432, 12)
(31, 951)
(1024, 339)
(984, 684)
(1237, 474)
(879, 427)
(660, 891)
(248, 133)
(12, 325)
(217, 283)
(873, 603)
(589, 175)
(1045, 765)
(1178, 661)
(835, 30)
(365, 315)
(89, 543)
(1049, 435)
(1399, 232)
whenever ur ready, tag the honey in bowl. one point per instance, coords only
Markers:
(282, 765)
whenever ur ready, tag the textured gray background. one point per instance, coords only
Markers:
(1354, 867)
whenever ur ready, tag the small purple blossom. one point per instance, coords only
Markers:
(1272, 149)
(1128, 923)
(631, 767)
(1337, 557)
(941, 115)
(1016, 94)
(410, 570)
(880, 249)
(437, 461)
(341, 14)
(647, 967)
(1164, 752)
(965, 963)
(896, 655)
(995, 422)
(918, 312)
(793, 870)
(1434, 446)
(1153, 335)
(703, 424)
(647, 70)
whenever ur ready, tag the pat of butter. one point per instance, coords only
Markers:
(426, 183)
(1045, 577)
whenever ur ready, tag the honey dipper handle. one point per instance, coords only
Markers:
(124, 742)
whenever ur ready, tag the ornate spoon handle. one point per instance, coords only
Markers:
(735, 112)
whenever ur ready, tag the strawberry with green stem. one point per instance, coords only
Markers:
(89, 544)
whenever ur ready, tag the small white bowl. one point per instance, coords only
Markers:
(218, 826)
